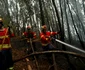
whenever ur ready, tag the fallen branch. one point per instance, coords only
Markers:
(47, 52)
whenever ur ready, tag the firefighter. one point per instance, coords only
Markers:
(5, 47)
(45, 37)
(30, 35)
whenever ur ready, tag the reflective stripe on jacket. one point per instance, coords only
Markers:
(4, 36)
(5, 46)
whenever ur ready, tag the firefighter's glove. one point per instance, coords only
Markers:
(47, 38)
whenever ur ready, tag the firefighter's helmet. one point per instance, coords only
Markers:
(44, 27)
(28, 27)
(1, 20)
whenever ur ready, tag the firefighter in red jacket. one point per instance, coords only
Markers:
(45, 37)
(30, 35)
(5, 48)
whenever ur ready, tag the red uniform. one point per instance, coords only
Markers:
(45, 41)
(5, 48)
(45, 37)
(5, 36)
(30, 35)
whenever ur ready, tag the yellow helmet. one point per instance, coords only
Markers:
(44, 27)
(1, 20)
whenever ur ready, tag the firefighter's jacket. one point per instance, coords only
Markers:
(46, 37)
(5, 39)
(29, 35)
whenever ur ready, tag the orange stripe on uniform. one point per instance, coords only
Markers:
(1, 37)
(42, 36)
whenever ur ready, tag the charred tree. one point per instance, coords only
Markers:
(82, 44)
(58, 17)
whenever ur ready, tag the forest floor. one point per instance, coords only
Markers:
(18, 51)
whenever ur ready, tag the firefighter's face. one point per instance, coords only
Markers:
(1, 24)
(44, 30)
(29, 30)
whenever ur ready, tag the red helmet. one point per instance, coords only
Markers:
(28, 27)
(44, 27)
